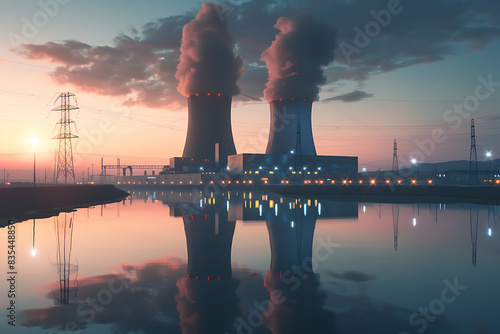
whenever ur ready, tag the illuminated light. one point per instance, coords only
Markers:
(271, 204)
(372, 181)
(227, 205)
(265, 182)
(414, 221)
(237, 181)
(118, 182)
(196, 94)
(413, 181)
(319, 209)
(271, 172)
(208, 94)
(364, 208)
(201, 182)
(245, 172)
(360, 181)
(218, 277)
(292, 151)
(223, 182)
(218, 94)
(305, 209)
(350, 181)
(333, 182)
(33, 252)
(488, 154)
(344, 181)
(260, 210)
(180, 182)
(497, 182)
(196, 277)
(256, 203)
(290, 168)
(256, 172)
(276, 209)
(275, 168)
(290, 206)
(260, 167)
(208, 278)
(201, 203)
(399, 181)
(244, 181)
(250, 195)
(387, 181)
(250, 172)
(248, 181)
(489, 232)
(430, 181)
(413, 161)
(287, 181)
(364, 169)
(229, 182)
(314, 173)
(292, 223)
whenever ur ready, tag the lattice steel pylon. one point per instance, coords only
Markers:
(64, 158)
(395, 164)
(473, 167)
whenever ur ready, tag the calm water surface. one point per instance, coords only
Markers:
(240, 262)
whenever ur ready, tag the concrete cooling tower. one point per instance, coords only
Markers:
(285, 114)
(209, 123)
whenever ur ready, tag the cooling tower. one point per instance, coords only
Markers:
(285, 114)
(209, 122)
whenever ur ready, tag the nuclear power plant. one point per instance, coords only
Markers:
(209, 80)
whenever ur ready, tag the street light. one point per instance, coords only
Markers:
(414, 163)
(488, 155)
(35, 141)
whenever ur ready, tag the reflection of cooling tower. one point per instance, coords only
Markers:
(209, 122)
(283, 133)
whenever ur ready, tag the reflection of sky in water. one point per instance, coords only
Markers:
(388, 260)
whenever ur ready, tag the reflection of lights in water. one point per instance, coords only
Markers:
(319, 209)
(414, 221)
(33, 252)
(275, 209)
(201, 203)
(227, 206)
(292, 223)
(305, 209)
(260, 210)
(290, 205)
(489, 232)
(364, 208)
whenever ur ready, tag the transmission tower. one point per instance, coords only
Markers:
(64, 160)
(473, 167)
(395, 165)
(298, 152)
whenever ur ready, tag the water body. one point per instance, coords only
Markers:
(249, 262)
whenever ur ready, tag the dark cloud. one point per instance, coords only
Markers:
(141, 69)
(354, 96)
(296, 58)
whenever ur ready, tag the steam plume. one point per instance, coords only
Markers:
(296, 57)
(208, 63)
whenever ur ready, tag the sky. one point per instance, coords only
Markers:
(415, 71)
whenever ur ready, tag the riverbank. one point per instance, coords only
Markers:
(47, 200)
